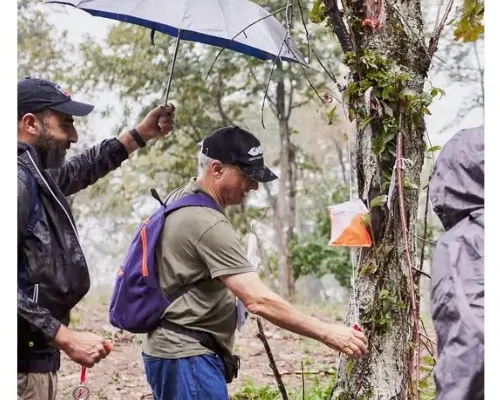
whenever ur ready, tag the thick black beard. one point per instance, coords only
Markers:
(51, 151)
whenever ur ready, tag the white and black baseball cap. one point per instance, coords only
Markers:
(35, 95)
(233, 145)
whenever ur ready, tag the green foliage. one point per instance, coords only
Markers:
(318, 12)
(469, 26)
(41, 50)
(312, 256)
(311, 253)
(427, 386)
(433, 149)
(250, 392)
(386, 136)
(382, 310)
(378, 201)
(392, 88)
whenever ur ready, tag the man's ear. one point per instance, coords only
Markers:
(216, 169)
(30, 124)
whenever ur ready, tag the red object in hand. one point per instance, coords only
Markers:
(83, 375)
(357, 328)
(108, 346)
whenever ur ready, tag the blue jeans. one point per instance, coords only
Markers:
(191, 378)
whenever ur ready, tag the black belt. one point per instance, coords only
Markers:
(231, 362)
(205, 338)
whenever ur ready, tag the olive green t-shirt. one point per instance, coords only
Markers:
(196, 243)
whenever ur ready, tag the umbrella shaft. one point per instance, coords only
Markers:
(172, 65)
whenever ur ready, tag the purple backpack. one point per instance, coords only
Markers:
(138, 302)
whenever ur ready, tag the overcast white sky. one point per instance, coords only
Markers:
(79, 23)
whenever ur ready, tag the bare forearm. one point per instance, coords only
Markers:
(278, 311)
(261, 301)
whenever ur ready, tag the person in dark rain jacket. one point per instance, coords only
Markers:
(52, 272)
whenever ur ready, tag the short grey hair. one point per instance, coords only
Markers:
(203, 163)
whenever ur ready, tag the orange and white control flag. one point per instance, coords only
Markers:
(349, 227)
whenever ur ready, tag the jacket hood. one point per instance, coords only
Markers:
(457, 183)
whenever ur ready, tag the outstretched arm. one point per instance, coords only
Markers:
(85, 169)
(261, 301)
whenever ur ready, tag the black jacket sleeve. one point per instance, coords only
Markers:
(85, 169)
(27, 309)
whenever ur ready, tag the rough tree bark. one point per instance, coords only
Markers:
(380, 301)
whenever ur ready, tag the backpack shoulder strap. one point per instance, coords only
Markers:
(34, 200)
(192, 200)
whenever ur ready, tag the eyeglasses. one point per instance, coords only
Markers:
(251, 180)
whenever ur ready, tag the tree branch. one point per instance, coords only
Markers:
(307, 77)
(338, 25)
(272, 103)
(310, 47)
(196, 131)
(218, 99)
(422, 272)
(433, 42)
(302, 103)
(312, 372)
(268, 83)
(272, 363)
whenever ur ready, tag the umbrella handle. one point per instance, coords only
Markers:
(172, 66)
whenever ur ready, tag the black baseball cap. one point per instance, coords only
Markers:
(35, 95)
(233, 145)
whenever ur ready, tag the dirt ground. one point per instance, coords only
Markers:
(121, 375)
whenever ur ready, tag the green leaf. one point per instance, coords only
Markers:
(433, 149)
(366, 220)
(380, 142)
(429, 360)
(401, 305)
(365, 123)
(435, 91)
(331, 115)
(470, 25)
(318, 13)
(348, 366)
(410, 185)
(378, 201)
(369, 268)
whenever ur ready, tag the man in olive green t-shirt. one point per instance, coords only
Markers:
(199, 245)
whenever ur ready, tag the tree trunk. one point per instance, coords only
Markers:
(287, 191)
(381, 300)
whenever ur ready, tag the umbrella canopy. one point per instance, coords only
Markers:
(228, 24)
